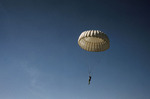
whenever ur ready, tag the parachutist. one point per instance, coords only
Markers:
(89, 79)
(93, 41)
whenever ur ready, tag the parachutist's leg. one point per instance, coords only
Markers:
(89, 82)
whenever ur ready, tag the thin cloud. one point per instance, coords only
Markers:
(35, 86)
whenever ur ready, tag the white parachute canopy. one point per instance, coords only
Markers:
(93, 40)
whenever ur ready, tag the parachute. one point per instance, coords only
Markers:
(94, 41)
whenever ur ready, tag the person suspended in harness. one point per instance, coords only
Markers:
(89, 79)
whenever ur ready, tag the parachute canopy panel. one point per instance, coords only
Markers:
(93, 40)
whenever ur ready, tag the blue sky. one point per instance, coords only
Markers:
(40, 57)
